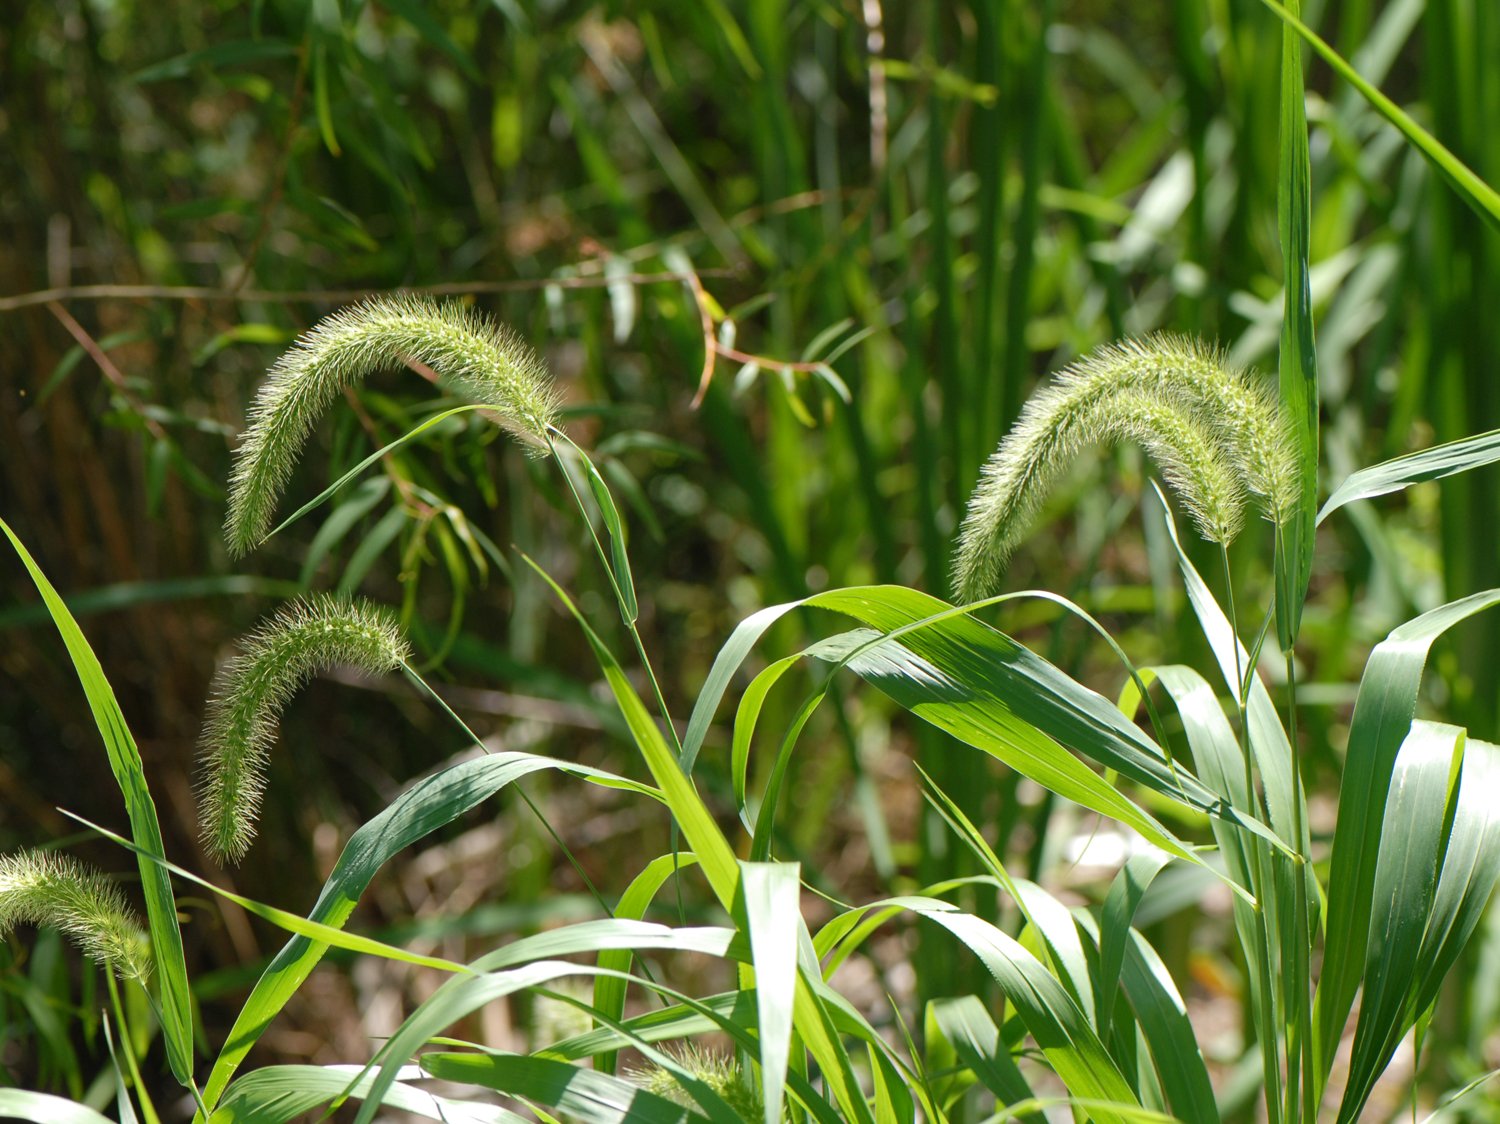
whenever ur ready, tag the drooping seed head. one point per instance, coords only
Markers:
(250, 691)
(1216, 435)
(479, 358)
(44, 888)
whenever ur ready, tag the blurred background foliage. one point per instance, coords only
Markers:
(796, 264)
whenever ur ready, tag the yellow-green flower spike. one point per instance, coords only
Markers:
(1216, 434)
(479, 358)
(250, 691)
(43, 888)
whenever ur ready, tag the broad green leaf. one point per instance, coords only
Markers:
(609, 990)
(1402, 472)
(129, 773)
(1471, 869)
(1383, 712)
(1479, 196)
(968, 1026)
(274, 1094)
(773, 915)
(1408, 862)
(698, 826)
(595, 1097)
(1116, 919)
(44, 1108)
(1298, 359)
(420, 810)
(462, 995)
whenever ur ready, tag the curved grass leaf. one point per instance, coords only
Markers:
(125, 764)
(609, 990)
(44, 1108)
(772, 920)
(594, 1097)
(1415, 468)
(1408, 862)
(968, 1026)
(420, 810)
(497, 978)
(1383, 712)
(274, 1094)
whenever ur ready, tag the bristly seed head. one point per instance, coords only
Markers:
(43, 888)
(1216, 433)
(476, 356)
(250, 691)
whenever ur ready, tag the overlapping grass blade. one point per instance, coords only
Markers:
(1408, 862)
(594, 1097)
(609, 990)
(773, 916)
(1402, 472)
(44, 1108)
(973, 1033)
(1477, 194)
(414, 814)
(125, 764)
(1383, 712)
(277, 1093)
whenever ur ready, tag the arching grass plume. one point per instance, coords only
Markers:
(43, 888)
(251, 690)
(478, 357)
(1216, 433)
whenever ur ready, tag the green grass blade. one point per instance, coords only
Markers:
(609, 990)
(1402, 472)
(1470, 188)
(1408, 860)
(772, 919)
(698, 826)
(1383, 712)
(420, 810)
(594, 1097)
(125, 763)
(976, 1038)
(44, 1108)
(1059, 1026)
(1125, 893)
(277, 1093)
(619, 558)
(1471, 869)
(344, 480)
(1298, 359)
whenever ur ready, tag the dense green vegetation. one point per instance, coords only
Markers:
(1206, 832)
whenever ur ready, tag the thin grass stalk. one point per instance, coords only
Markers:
(614, 581)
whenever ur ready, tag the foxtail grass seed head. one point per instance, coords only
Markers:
(478, 357)
(1215, 433)
(43, 888)
(250, 691)
(722, 1074)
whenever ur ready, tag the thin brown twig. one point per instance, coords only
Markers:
(292, 296)
(105, 364)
